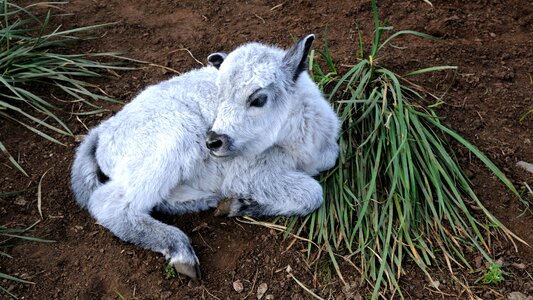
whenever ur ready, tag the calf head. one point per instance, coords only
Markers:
(256, 84)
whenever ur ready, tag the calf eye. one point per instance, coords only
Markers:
(258, 100)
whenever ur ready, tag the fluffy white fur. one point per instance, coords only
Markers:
(152, 155)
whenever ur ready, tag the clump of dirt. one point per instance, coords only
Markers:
(490, 43)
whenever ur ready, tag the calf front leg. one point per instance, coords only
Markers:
(186, 199)
(128, 217)
(273, 194)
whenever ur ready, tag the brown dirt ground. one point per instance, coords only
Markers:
(490, 41)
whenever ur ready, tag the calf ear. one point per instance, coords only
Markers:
(295, 61)
(216, 59)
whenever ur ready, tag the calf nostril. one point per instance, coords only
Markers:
(215, 141)
(214, 144)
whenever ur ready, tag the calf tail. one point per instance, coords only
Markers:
(86, 175)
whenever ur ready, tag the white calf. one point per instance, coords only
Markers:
(252, 128)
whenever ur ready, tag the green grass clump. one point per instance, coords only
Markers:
(6, 237)
(494, 275)
(170, 272)
(397, 192)
(29, 55)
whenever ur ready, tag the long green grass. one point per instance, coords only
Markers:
(31, 56)
(397, 192)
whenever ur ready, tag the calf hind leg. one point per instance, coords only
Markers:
(117, 210)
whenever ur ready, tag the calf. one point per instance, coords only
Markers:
(252, 128)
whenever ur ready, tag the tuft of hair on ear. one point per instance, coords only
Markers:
(216, 59)
(295, 60)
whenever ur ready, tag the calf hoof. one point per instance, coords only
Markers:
(239, 207)
(192, 271)
(224, 208)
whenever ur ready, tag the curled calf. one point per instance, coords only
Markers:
(251, 128)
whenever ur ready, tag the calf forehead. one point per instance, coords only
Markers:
(250, 67)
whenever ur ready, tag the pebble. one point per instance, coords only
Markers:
(261, 290)
(288, 269)
(21, 201)
(525, 165)
(518, 296)
(519, 266)
(238, 286)
(166, 295)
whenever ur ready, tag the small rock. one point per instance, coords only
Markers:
(269, 297)
(492, 34)
(288, 269)
(518, 296)
(20, 201)
(238, 286)
(261, 290)
(166, 295)
(526, 166)
(519, 266)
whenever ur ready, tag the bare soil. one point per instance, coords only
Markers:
(490, 42)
